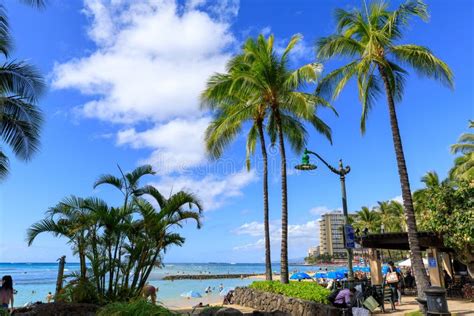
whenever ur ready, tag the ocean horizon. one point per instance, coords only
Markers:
(33, 280)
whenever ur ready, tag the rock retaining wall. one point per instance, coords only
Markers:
(275, 303)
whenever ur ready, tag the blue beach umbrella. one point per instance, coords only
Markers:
(320, 275)
(335, 275)
(299, 276)
(226, 291)
(190, 294)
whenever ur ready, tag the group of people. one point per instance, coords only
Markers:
(209, 290)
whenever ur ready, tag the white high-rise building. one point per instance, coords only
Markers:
(331, 234)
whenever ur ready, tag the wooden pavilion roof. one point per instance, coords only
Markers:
(399, 241)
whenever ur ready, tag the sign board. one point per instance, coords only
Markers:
(349, 236)
(431, 262)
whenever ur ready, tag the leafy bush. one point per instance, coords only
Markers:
(138, 307)
(79, 291)
(304, 290)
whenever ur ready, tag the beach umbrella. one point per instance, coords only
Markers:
(226, 291)
(335, 275)
(320, 275)
(190, 294)
(299, 276)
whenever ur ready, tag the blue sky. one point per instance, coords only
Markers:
(123, 89)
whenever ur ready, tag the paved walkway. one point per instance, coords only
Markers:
(458, 307)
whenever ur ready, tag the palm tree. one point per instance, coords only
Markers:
(129, 185)
(267, 80)
(159, 225)
(232, 108)
(370, 39)
(20, 87)
(464, 165)
(69, 219)
(366, 218)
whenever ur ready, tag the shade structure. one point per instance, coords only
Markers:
(407, 263)
(300, 276)
(320, 275)
(226, 291)
(191, 294)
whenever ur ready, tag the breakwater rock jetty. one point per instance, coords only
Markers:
(208, 276)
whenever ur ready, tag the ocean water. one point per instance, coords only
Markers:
(33, 281)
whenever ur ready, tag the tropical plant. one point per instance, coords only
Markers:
(264, 78)
(370, 37)
(367, 219)
(464, 164)
(20, 87)
(310, 291)
(138, 307)
(122, 244)
(232, 108)
(448, 209)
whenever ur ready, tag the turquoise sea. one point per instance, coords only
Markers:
(33, 281)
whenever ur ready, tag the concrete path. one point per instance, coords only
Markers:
(456, 306)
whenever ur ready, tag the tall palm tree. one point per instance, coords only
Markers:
(370, 38)
(20, 87)
(232, 108)
(464, 165)
(269, 80)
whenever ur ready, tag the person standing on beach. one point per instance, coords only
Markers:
(149, 291)
(6, 292)
(49, 297)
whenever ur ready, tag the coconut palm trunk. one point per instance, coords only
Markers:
(422, 282)
(284, 206)
(266, 224)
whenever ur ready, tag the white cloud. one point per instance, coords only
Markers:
(151, 61)
(214, 191)
(319, 210)
(301, 236)
(177, 144)
(398, 199)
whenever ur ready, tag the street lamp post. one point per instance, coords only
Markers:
(342, 171)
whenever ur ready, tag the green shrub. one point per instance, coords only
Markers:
(310, 291)
(134, 308)
(79, 291)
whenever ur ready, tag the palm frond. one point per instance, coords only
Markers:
(21, 79)
(111, 180)
(424, 62)
(20, 126)
(4, 165)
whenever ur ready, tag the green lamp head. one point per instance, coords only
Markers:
(305, 164)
